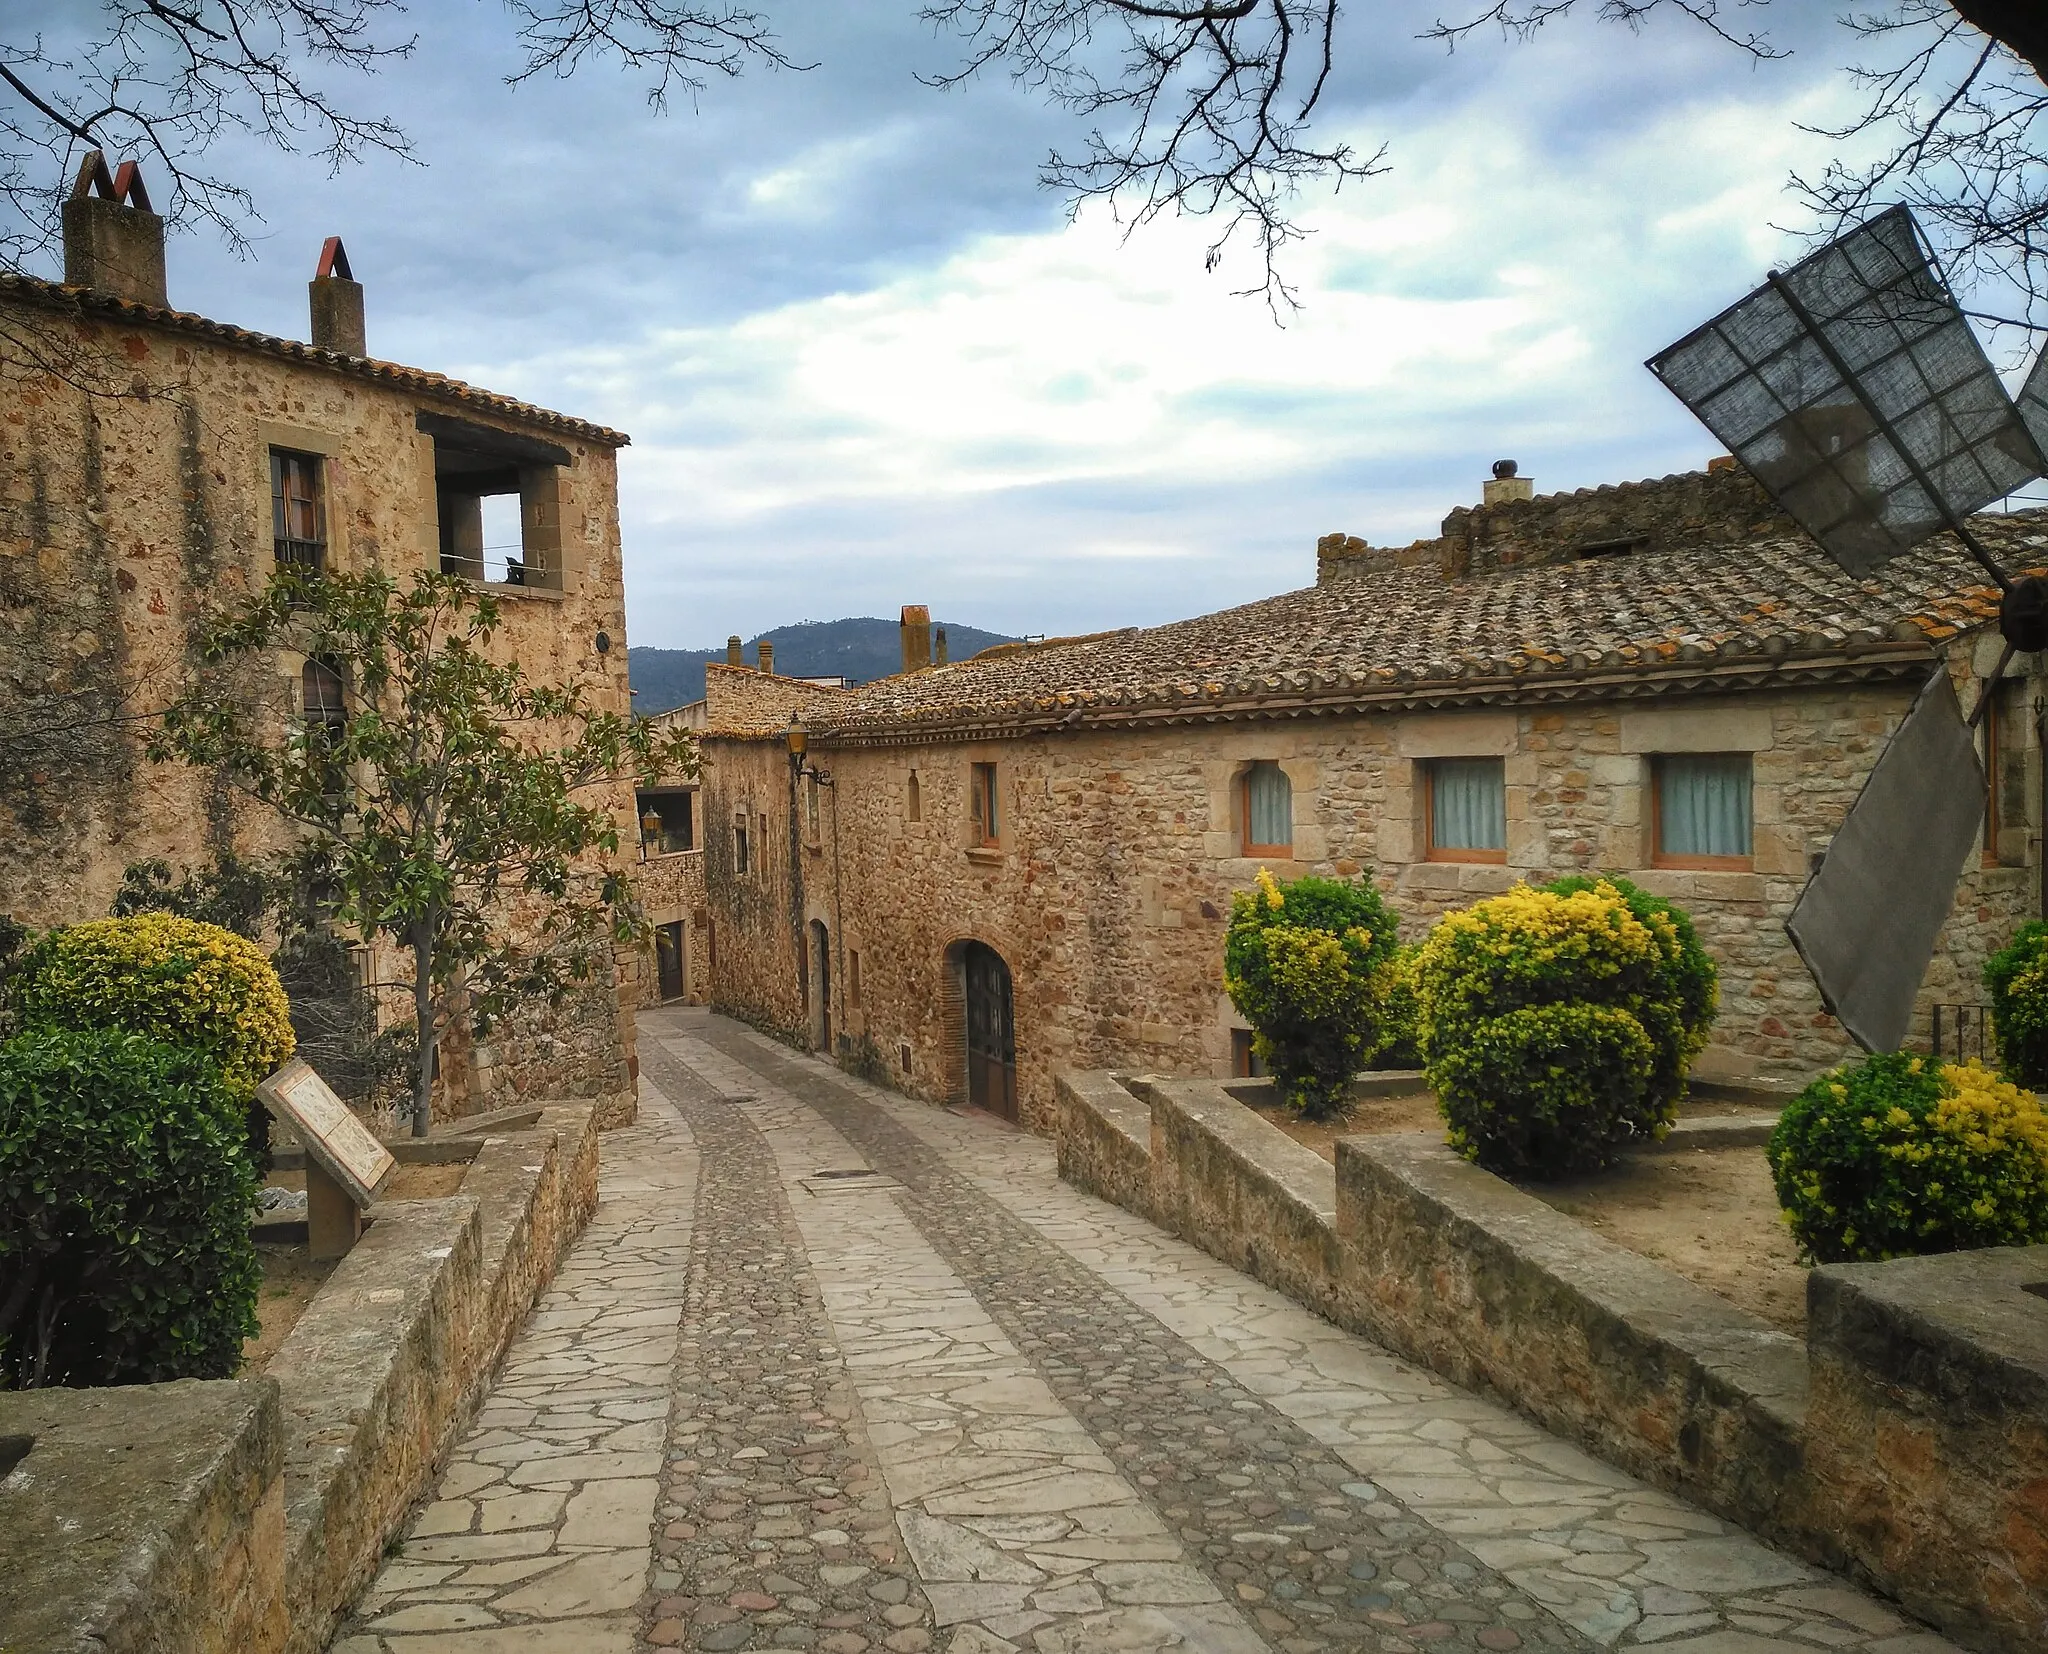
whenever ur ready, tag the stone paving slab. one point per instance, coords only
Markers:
(1617, 1560)
(836, 1371)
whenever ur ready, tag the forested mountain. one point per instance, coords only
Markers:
(862, 649)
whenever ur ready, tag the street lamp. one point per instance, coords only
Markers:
(650, 830)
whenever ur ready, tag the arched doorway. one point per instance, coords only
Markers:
(821, 987)
(991, 1031)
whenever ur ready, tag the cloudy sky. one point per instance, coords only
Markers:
(866, 361)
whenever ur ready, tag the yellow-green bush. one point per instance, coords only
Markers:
(173, 980)
(1399, 1011)
(1558, 1023)
(1302, 962)
(1900, 1155)
(2017, 978)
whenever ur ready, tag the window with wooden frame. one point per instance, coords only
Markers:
(298, 511)
(984, 816)
(323, 706)
(1265, 811)
(1244, 1061)
(740, 862)
(1701, 811)
(1465, 809)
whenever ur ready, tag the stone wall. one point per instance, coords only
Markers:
(1109, 892)
(1907, 1439)
(746, 700)
(1693, 508)
(125, 519)
(670, 890)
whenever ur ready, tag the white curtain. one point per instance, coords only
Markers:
(1269, 806)
(1703, 804)
(1469, 804)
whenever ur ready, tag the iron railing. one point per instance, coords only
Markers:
(1957, 1033)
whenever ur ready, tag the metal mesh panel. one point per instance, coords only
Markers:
(1762, 381)
(1867, 922)
(2033, 401)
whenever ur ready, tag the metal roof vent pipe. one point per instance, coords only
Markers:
(915, 629)
(767, 650)
(1504, 485)
(113, 242)
(337, 300)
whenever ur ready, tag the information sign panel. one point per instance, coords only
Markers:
(342, 1145)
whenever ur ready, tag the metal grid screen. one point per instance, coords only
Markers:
(1760, 380)
(2033, 401)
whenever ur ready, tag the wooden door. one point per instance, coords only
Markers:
(991, 1033)
(668, 958)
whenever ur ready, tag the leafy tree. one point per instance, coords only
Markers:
(438, 807)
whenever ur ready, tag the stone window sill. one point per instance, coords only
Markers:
(985, 855)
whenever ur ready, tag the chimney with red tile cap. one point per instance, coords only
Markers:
(337, 300)
(113, 242)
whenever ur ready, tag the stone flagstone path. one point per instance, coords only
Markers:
(834, 1370)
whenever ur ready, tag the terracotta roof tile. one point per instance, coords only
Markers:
(1377, 634)
(52, 295)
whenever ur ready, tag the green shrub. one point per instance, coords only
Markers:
(1301, 962)
(125, 1198)
(170, 979)
(1399, 1011)
(1558, 1023)
(1901, 1155)
(2017, 976)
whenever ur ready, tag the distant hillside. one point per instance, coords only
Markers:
(862, 649)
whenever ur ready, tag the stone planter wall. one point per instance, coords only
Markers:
(1907, 1441)
(253, 1513)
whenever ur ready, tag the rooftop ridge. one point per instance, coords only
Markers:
(58, 296)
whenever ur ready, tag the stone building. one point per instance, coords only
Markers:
(993, 870)
(155, 463)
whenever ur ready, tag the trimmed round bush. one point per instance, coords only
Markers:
(2017, 977)
(170, 979)
(125, 1196)
(1901, 1155)
(1302, 962)
(1558, 1023)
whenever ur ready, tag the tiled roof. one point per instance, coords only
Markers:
(55, 296)
(1664, 622)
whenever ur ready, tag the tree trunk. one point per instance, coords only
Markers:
(423, 1011)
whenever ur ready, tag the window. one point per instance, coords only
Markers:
(853, 977)
(1701, 810)
(298, 517)
(1244, 1061)
(1467, 803)
(739, 845)
(323, 703)
(913, 803)
(498, 495)
(666, 822)
(985, 820)
(1266, 811)
(811, 808)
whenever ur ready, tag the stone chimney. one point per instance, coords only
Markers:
(938, 646)
(337, 299)
(767, 657)
(1505, 485)
(733, 655)
(113, 243)
(916, 632)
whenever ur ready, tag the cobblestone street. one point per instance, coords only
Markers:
(835, 1370)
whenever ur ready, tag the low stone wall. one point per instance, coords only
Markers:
(1491, 1287)
(1909, 1443)
(143, 1519)
(246, 1516)
(1928, 1433)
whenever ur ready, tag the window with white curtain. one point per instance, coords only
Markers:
(1268, 811)
(1703, 808)
(1468, 809)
